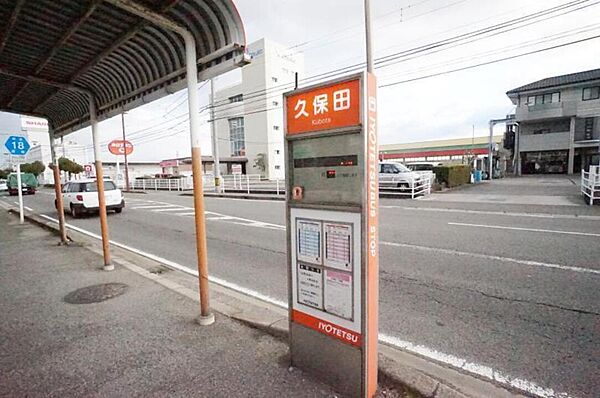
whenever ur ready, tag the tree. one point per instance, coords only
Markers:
(69, 166)
(36, 168)
(259, 162)
(4, 173)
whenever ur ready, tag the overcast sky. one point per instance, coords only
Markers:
(330, 34)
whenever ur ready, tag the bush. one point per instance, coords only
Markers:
(453, 175)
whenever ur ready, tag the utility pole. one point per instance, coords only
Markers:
(368, 36)
(215, 143)
(491, 150)
(125, 148)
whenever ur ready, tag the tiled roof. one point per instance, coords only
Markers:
(572, 78)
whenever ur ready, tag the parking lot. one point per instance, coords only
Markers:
(500, 279)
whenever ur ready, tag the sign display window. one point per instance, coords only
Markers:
(309, 241)
(310, 285)
(338, 293)
(338, 245)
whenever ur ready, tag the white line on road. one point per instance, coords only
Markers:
(28, 208)
(172, 209)
(551, 231)
(149, 207)
(454, 361)
(497, 258)
(495, 213)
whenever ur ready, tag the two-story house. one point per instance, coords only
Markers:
(558, 123)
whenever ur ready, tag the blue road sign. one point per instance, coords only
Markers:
(17, 145)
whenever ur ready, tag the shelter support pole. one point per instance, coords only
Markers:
(60, 210)
(108, 266)
(206, 316)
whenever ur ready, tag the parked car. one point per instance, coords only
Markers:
(397, 175)
(81, 197)
(28, 184)
(3, 185)
(422, 166)
(555, 167)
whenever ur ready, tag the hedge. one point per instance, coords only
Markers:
(453, 175)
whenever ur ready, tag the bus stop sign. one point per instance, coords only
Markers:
(17, 145)
(332, 231)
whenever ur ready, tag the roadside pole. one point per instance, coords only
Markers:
(491, 150)
(215, 142)
(20, 189)
(58, 192)
(124, 143)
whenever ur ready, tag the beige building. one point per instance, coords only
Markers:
(559, 123)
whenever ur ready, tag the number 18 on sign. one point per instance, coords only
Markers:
(18, 146)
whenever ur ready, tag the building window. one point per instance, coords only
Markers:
(547, 98)
(589, 128)
(275, 127)
(237, 138)
(276, 151)
(277, 167)
(274, 79)
(275, 103)
(236, 98)
(541, 131)
(591, 93)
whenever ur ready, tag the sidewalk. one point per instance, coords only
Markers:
(141, 343)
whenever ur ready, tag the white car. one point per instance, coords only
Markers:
(81, 196)
(3, 186)
(397, 175)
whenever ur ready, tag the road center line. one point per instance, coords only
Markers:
(451, 360)
(157, 207)
(551, 231)
(497, 258)
(169, 209)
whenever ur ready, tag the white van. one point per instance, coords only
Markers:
(81, 196)
(397, 175)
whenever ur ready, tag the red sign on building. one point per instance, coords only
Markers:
(120, 147)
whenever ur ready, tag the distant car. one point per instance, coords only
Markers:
(397, 175)
(555, 167)
(81, 197)
(423, 166)
(3, 186)
(29, 184)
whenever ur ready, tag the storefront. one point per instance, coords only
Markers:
(544, 162)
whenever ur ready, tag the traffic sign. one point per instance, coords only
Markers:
(17, 145)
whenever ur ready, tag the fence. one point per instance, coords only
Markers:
(421, 187)
(163, 184)
(590, 185)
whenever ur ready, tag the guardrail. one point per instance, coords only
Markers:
(162, 184)
(590, 185)
(420, 188)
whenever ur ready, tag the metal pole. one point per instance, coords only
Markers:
(118, 172)
(125, 147)
(58, 192)
(491, 150)
(108, 266)
(20, 188)
(215, 142)
(206, 316)
(369, 45)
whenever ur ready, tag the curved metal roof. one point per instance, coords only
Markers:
(53, 51)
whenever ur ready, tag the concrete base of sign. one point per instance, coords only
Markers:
(109, 267)
(334, 362)
(205, 320)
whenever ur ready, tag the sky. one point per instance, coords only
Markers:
(330, 35)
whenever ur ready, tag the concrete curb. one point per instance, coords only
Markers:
(423, 376)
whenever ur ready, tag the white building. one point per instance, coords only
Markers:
(41, 152)
(249, 115)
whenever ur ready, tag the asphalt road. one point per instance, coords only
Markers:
(503, 293)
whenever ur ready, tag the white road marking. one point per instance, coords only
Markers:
(451, 360)
(497, 258)
(495, 213)
(149, 207)
(551, 231)
(186, 214)
(28, 208)
(172, 209)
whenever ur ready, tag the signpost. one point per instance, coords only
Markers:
(121, 147)
(18, 146)
(332, 231)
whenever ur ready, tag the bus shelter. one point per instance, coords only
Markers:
(78, 62)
